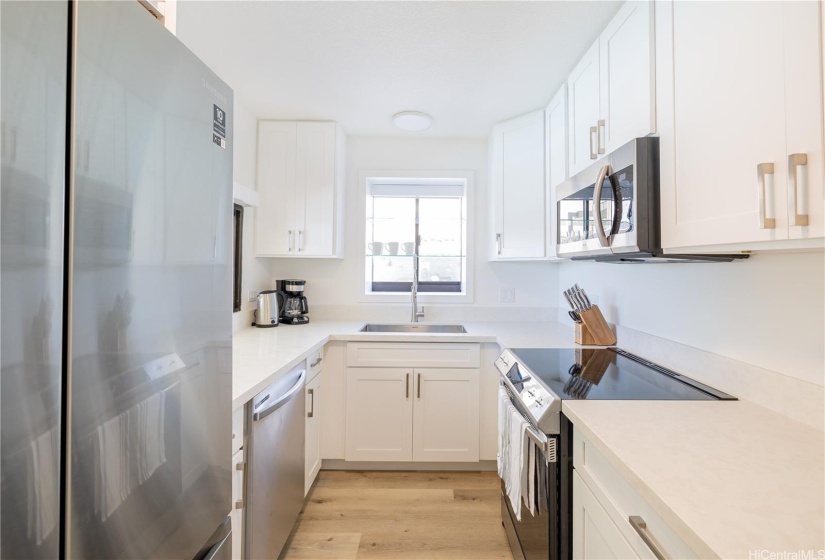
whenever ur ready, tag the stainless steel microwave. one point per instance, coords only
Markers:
(610, 211)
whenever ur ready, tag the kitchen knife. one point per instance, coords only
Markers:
(586, 299)
(580, 302)
(569, 301)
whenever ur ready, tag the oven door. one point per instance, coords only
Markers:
(536, 537)
(597, 211)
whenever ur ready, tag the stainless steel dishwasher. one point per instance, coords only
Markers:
(275, 483)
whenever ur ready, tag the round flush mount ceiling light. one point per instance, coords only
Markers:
(412, 120)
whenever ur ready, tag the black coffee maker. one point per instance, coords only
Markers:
(295, 308)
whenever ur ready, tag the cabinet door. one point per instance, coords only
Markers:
(728, 118)
(519, 187)
(626, 85)
(313, 432)
(583, 111)
(594, 534)
(275, 217)
(238, 470)
(445, 415)
(315, 189)
(379, 414)
(555, 129)
(804, 116)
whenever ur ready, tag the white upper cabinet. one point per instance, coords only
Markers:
(301, 184)
(555, 140)
(626, 85)
(611, 92)
(583, 111)
(742, 136)
(804, 118)
(275, 218)
(518, 194)
(555, 125)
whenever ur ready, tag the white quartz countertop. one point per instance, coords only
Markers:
(260, 356)
(731, 478)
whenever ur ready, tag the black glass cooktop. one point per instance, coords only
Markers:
(607, 374)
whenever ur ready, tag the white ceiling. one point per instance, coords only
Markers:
(468, 64)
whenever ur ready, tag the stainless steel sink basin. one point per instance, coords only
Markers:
(413, 328)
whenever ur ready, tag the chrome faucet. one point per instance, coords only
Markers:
(416, 314)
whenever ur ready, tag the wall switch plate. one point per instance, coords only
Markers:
(507, 295)
(252, 295)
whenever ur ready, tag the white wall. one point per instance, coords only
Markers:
(255, 273)
(766, 311)
(338, 282)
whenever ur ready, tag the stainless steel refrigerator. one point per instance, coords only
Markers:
(115, 255)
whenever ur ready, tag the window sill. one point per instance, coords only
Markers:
(423, 298)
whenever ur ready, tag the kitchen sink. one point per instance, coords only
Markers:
(413, 328)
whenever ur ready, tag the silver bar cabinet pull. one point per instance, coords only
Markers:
(316, 362)
(765, 175)
(300, 240)
(797, 172)
(641, 528)
(311, 412)
(289, 240)
(599, 136)
(498, 243)
(593, 132)
(419, 385)
(408, 386)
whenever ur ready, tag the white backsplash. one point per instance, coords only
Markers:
(794, 398)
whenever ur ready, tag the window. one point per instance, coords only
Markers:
(237, 256)
(409, 218)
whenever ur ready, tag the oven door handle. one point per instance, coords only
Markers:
(536, 435)
(604, 238)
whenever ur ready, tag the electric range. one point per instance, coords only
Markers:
(537, 381)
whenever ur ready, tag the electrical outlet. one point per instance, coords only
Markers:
(507, 295)
(252, 295)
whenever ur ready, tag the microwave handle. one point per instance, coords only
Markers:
(604, 239)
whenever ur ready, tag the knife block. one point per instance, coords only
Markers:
(598, 331)
(582, 335)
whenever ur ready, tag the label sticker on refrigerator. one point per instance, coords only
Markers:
(219, 121)
(218, 141)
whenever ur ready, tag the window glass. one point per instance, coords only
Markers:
(391, 243)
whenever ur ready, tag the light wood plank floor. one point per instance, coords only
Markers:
(404, 515)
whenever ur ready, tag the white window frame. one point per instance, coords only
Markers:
(387, 176)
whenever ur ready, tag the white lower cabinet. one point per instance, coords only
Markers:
(413, 413)
(610, 519)
(595, 536)
(445, 415)
(238, 470)
(312, 392)
(379, 414)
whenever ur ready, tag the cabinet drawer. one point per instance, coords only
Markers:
(315, 364)
(414, 354)
(621, 502)
(237, 429)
